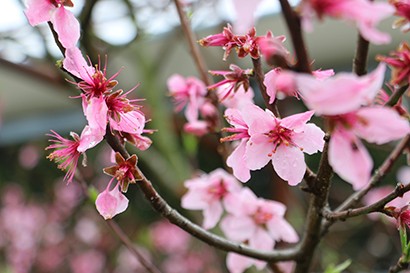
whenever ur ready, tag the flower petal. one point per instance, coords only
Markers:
(39, 11)
(289, 164)
(380, 125)
(66, 26)
(236, 160)
(349, 158)
(258, 152)
(310, 139)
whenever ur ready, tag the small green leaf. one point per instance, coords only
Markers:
(190, 144)
(92, 194)
(338, 268)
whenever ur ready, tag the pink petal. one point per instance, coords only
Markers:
(340, 94)
(194, 199)
(261, 239)
(238, 228)
(132, 122)
(297, 121)
(289, 164)
(197, 127)
(90, 138)
(310, 139)
(258, 121)
(282, 81)
(244, 10)
(237, 263)
(212, 214)
(258, 152)
(350, 159)
(111, 203)
(75, 63)
(39, 11)
(236, 160)
(281, 230)
(66, 26)
(96, 113)
(380, 125)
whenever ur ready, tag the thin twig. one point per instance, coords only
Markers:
(399, 266)
(295, 30)
(257, 68)
(375, 207)
(127, 242)
(194, 49)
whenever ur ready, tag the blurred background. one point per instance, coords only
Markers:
(48, 226)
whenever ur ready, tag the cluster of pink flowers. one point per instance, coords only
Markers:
(346, 100)
(106, 109)
(249, 219)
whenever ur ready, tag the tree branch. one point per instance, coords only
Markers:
(375, 207)
(318, 201)
(295, 30)
(360, 59)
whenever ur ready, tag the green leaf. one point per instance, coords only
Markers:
(92, 194)
(190, 144)
(338, 268)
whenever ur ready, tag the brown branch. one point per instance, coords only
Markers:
(127, 242)
(360, 59)
(194, 49)
(260, 76)
(318, 201)
(397, 95)
(375, 207)
(399, 266)
(295, 30)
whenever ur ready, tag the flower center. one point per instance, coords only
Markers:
(262, 217)
(219, 190)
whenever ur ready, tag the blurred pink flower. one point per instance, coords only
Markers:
(245, 18)
(365, 14)
(64, 22)
(169, 238)
(282, 83)
(29, 156)
(347, 155)
(207, 192)
(258, 222)
(234, 79)
(340, 94)
(189, 92)
(91, 261)
(236, 100)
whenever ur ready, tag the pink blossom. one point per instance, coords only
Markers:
(189, 92)
(365, 14)
(207, 192)
(67, 152)
(238, 99)
(111, 202)
(233, 80)
(94, 81)
(403, 10)
(399, 62)
(196, 127)
(256, 221)
(281, 141)
(236, 160)
(271, 46)
(169, 238)
(282, 83)
(340, 94)
(64, 22)
(244, 45)
(244, 10)
(91, 261)
(403, 175)
(347, 155)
